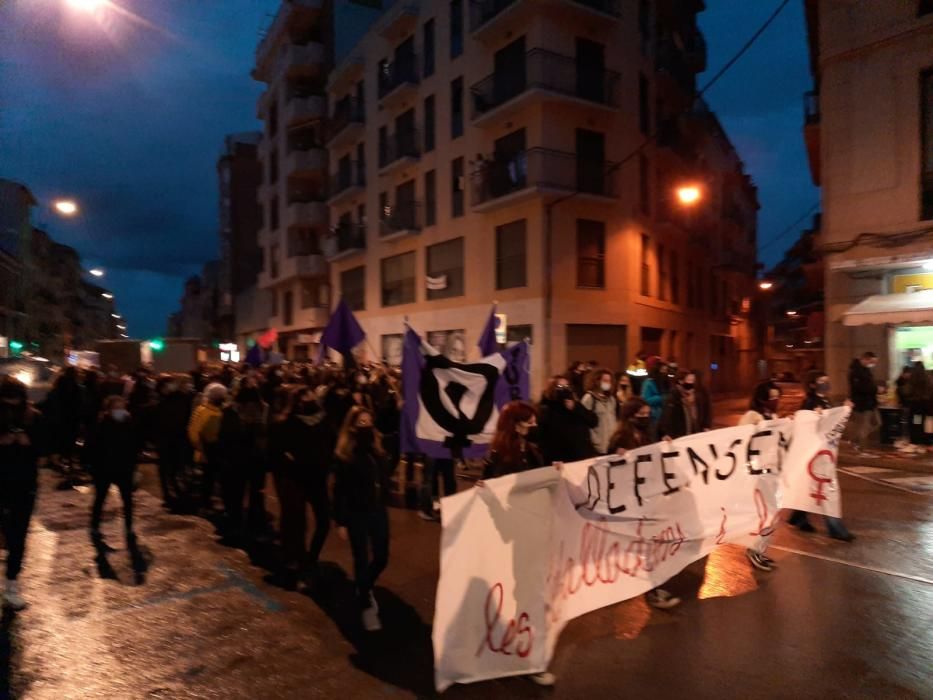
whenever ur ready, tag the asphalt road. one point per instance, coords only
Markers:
(835, 620)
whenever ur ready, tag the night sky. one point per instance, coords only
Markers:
(126, 112)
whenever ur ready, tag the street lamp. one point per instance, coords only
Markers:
(791, 313)
(96, 272)
(107, 295)
(65, 207)
(765, 285)
(121, 327)
(117, 316)
(689, 195)
(85, 5)
(928, 265)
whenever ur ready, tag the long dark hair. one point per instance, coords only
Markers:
(346, 441)
(626, 433)
(761, 394)
(506, 443)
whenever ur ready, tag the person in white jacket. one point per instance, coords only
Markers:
(601, 400)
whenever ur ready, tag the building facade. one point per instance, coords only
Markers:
(527, 153)
(198, 315)
(16, 205)
(239, 176)
(869, 132)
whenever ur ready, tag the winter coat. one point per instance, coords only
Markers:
(21, 445)
(565, 435)
(651, 393)
(605, 409)
(204, 429)
(171, 418)
(241, 442)
(494, 465)
(674, 421)
(361, 485)
(308, 446)
(114, 450)
(814, 401)
(862, 388)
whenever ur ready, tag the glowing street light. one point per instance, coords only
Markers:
(124, 335)
(121, 327)
(117, 316)
(96, 272)
(107, 295)
(689, 195)
(85, 5)
(791, 313)
(765, 285)
(928, 265)
(65, 207)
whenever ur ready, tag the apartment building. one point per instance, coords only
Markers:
(489, 151)
(869, 133)
(292, 60)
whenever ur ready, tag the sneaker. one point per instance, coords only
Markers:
(371, 621)
(436, 504)
(759, 560)
(430, 517)
(806, 526)
(11, 597)
(661, 599)
(545, 679)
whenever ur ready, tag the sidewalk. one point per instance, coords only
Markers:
(886, 456)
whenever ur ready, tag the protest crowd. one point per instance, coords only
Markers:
(329, 437)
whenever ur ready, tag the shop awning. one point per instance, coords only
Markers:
(916, 307)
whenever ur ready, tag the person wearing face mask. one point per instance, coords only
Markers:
(114, 463)
(624, 391)
(766, 398)
(817, 399)
(683, 414)
(599, 399)
(513, 447)
(300, 444)
(565, 424)
(863, 392)
(361, 492)
(21, 447)
(656, 387)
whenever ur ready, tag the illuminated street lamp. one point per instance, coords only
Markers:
(96, 272)
(107, 295)
(765, 285)
(65, 207)
(121, 327)
(791, 313)
(928, 265)
(117, 316)
(689, 195)
(85, 5)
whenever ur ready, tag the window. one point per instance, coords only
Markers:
(428, 48)
(516, 334)
(456, 28)
(430, 198)
(361, 214)
(591, 253)
(353, 287)
(360, 164)
(511, 246)
(384, 209)
(456, 188)
(274, 302)
(644, 24)
(662, 273)
(456, 108)
(287, 308)
(383, 146)
(361, 99)
(926, 160)
(274, 116)
(675, 277)
(645, 266)
(445, 269)
(310, 295)
(274, 166)
(274, 260)
(398, 279)
(644, 109)
(429, 123)
(274, 214)
(644, 184)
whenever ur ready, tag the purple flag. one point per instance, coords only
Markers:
(451, 408)
(487, 341)
(343, 332)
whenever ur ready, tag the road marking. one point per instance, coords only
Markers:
(880, 482)
(919, 483)
(866, 470)
(834, 560)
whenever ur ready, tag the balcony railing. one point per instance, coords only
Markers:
(401, 144)
(348, 111)
(541, 168)
(545, 70)
(483, 11)
(402, 71)
(347, 177)
(401, 217)
(673, 61)
(811, 107)
(346, 238)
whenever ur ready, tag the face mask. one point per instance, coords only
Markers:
(688, 386)
(641, 422)
(822, 388)
(533, 434)
(364, 437)
(623, 388)
(772, 405)
(120, 414)
(605, 387)
(308, 408)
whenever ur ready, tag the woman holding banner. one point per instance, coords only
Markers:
(764, 406)
(565, 424)
(512, 449)
(361, 494)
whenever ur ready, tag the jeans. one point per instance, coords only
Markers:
(368, 531)
(834, 526)
(862, 423)
(294, 496)
(102, 482)
(16, 506)
(434, 470)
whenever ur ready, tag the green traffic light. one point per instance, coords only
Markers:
(16, 346)
(157, 345)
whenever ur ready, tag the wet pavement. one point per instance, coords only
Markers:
(835, 620)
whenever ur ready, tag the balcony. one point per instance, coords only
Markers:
(399, 21)
(347, 123)
(544, 76)
(402, 219)
(291, 13)
(398, 80)
(302, 61)
(671, 62)
(262, 105)
(346, 240)
(304, 109)
(303, 266)
(347, 182)
(306, 214)
(539, 172)
(811, 132)
(400, 149)
(695, 52)
(305, 163)
(346, 73)
(496, 17)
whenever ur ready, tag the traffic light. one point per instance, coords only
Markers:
(16, 347)
(157, 345)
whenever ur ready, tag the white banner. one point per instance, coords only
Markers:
(526, 553)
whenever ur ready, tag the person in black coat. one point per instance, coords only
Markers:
(863, 392)
(113, 462)
(65, 403)
(170, 433)
(22, 443)
(683, 413)
(565, 424)
(513, 449)
(361, 492)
